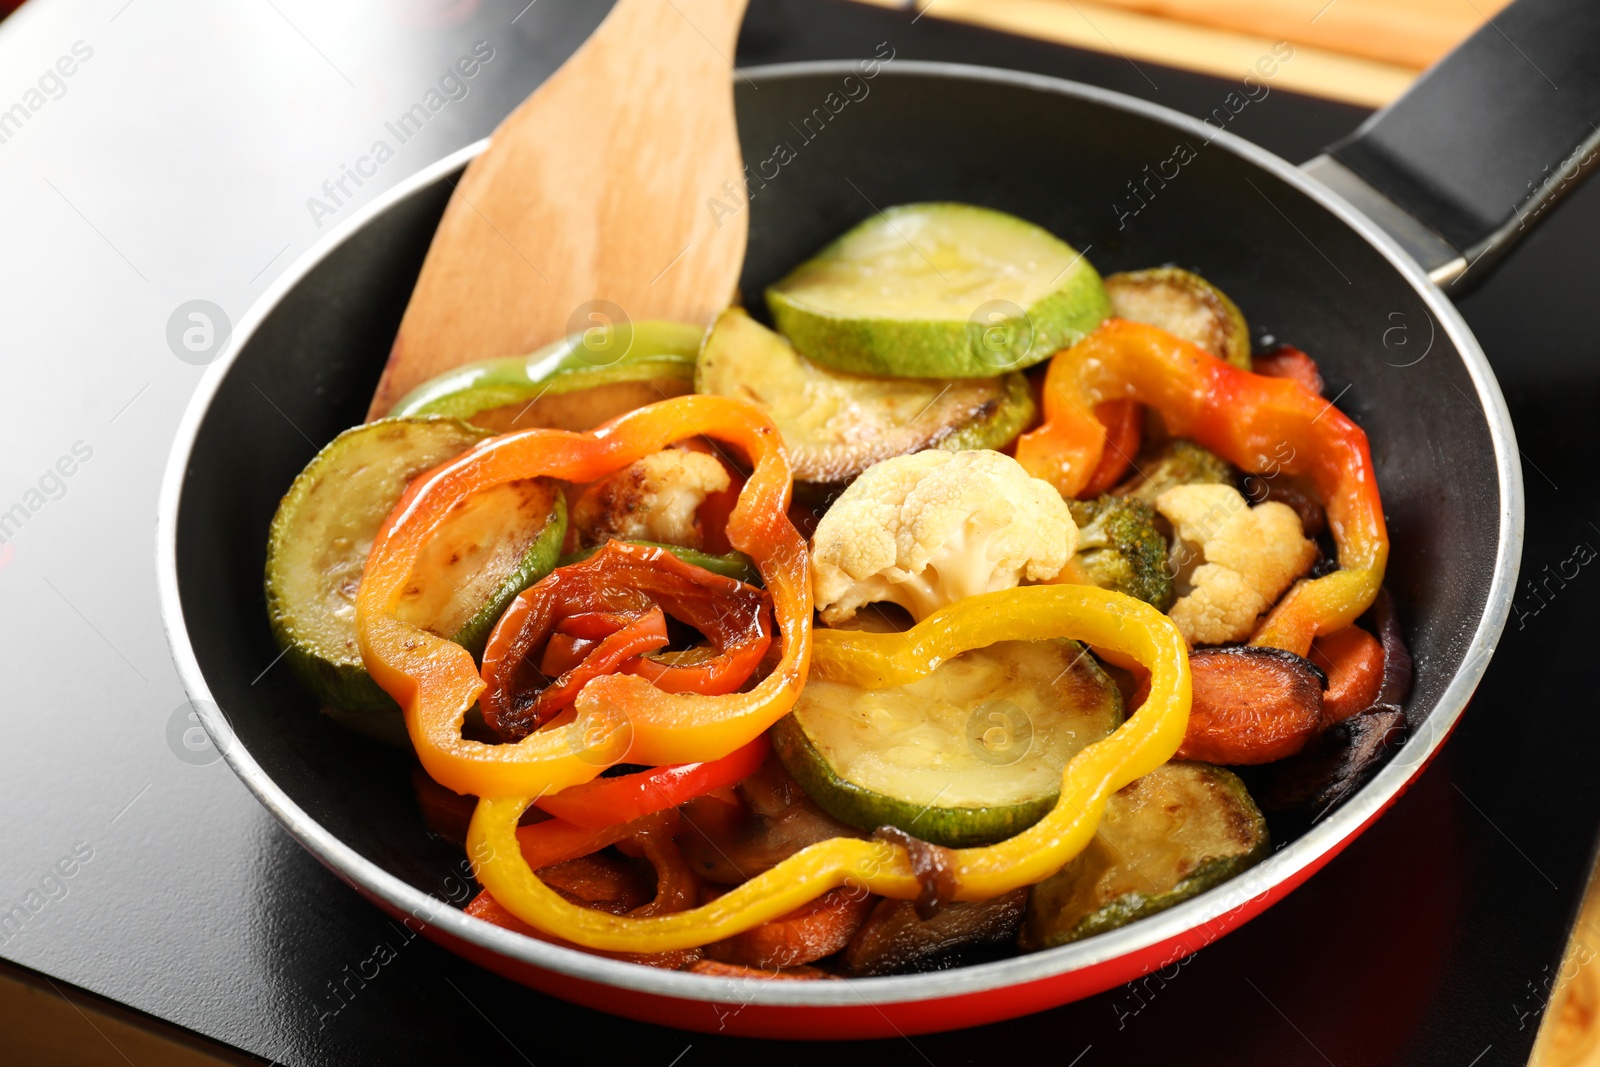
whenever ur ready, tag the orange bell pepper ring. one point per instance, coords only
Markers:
(1260, 424)
(616, 716)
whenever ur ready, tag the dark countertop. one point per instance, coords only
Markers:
(175, 163)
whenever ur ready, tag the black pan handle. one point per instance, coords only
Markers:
(1485, 142)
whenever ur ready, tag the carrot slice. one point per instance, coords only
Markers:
(1353, 660)
(810, 932)
(1124, 423)
(1251, 705)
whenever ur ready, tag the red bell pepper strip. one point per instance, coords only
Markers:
(629, 586)
(1353, 662)
(607, 801)
(553, 841)
(1124, 423)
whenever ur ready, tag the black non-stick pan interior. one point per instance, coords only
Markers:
(1121, 185)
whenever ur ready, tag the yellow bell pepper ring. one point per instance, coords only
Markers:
(877, 660)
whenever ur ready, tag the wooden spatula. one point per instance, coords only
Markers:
(593, 200)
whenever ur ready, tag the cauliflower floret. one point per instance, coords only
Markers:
(927, 529)
(1246, 557)
(654, 499)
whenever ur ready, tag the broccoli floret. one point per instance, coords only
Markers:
(1178, 462)
(1120, 548)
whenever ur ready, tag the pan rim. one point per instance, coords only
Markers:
(1307, 851)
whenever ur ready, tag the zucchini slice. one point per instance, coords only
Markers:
(1176, 832)
(970, 754)
(837, 425)
(574, 384)
(494, 545)
(1185, 305)
(939, 290)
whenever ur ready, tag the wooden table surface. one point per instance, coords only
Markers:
(1361, 51)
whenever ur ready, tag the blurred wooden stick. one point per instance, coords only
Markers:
(1138, 37)
(1361, 51)
(1408, 33)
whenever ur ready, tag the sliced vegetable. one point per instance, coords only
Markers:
(1251, 705)
(735, 565)
(894, 940)
(614, 716)
(1124, 423)
(656, 498)
(1346, 754)
(1263, 424)
(574, 384)
(1396, 656)
(837, 425)
(1106, 620)
(605, 883)
(606, 801)
(493, 545)
(1231, 561)
(1185, 305)
(614, 602)
(1176, 462)
(1169, 836)
(485, 907)
(939, 290)
(1286, 361)
(1353, 661)
(486, 550)
(677, 886)
(1337, 763)
(544, 844)
(969, 754)
(928, 530)
(1121, 548)
(718, 969)
(815, 929)
(1286, 489)
(729, 843)
(932, 865)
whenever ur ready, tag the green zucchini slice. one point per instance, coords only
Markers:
(494, 545)
(837, 425)
(968, 755)
(1164, 838)
(939, 290)
(1185, 305)
(574, 384)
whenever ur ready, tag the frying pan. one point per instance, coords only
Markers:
(1344, 258)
